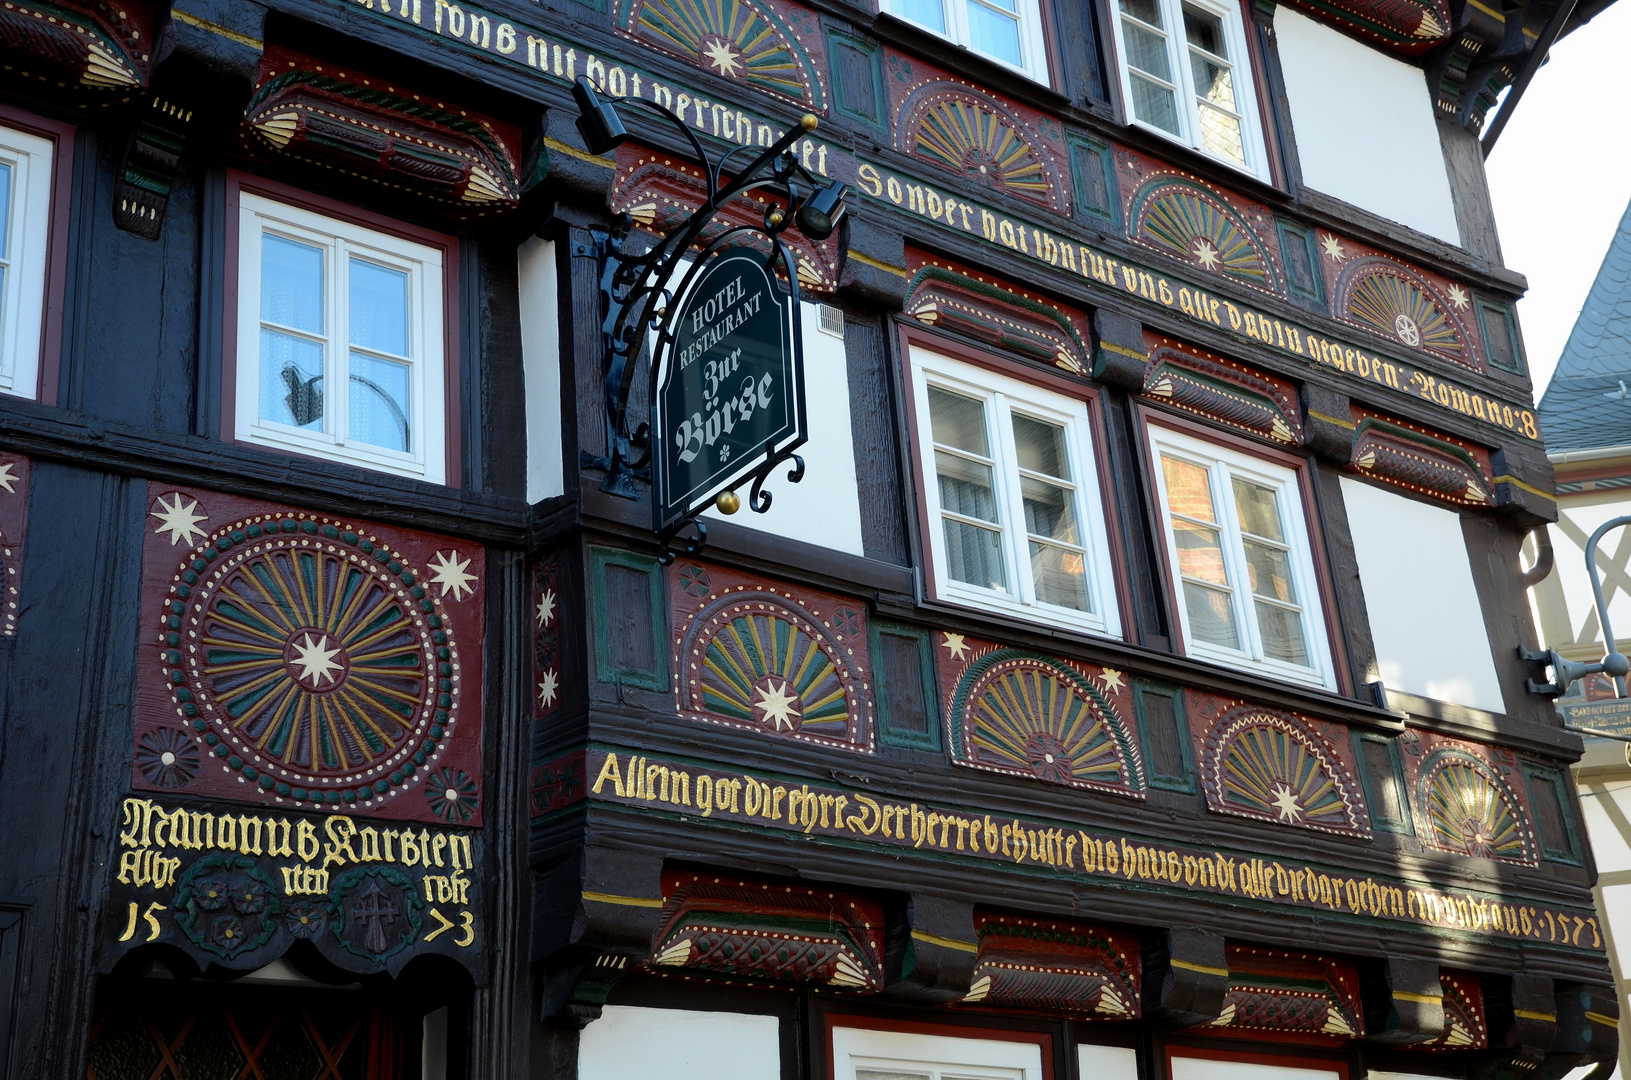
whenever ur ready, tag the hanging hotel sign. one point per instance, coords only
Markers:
(729, 398)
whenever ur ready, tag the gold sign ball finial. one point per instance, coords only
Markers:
(808, 122)
(729, 502)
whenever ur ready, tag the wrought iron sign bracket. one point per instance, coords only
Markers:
(1614, 663)
(637, 291)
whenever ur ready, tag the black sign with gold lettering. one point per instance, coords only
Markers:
(730, 391)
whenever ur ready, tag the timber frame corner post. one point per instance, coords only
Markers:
(639, 294)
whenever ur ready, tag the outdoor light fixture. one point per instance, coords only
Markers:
(638, 289)
(1614, 663)
(602, 129)
(822, 211)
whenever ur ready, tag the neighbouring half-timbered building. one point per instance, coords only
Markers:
(1130, 689)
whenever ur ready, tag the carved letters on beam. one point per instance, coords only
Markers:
(954, 297)
(1205, 384)
(369, 130)
(1065, 967)
(768, 930)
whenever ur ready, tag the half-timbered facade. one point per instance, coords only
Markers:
(1130, 688)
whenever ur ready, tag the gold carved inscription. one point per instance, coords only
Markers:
(635, 779)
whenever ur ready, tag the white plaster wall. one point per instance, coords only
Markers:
(541, 368)
(1364, 126)
(1107, 1063)
(678, 1044)
(1425, 619)
(825, 507)
(1185, 1068)
(1567, 617)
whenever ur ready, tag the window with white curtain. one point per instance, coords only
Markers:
(1240, 553)
(1186, 74)
(1007, 31)
(25, 225)
(340, 349)
(1016, 522)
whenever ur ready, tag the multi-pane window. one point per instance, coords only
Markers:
(25, 223)
(1186, 73)
(869, 1054)
(1239, 550)
(1008, 31)
(340, 341)
(1015, 515)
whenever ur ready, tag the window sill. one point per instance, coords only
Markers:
(1448, 718)
(989, 602)
(289, 441)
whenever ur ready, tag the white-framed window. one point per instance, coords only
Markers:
(1015, 519)
(1186, 74)
(868, 1054)
(1007, 31)
(1239, 549)
(340, 341)
(25, 227)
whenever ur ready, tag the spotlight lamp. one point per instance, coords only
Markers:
(822, 211)
(602, 129)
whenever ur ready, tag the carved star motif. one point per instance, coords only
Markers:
(720, 55)
(315, 662)
(1458, 296)
(448, 571)
(1112, 679)
(780, 707)
(1206, 253)
(1333, 248)
(1285, 801)
(955, 643)
(546, 607)
(546, 689)
(181, 522)
(8, 478)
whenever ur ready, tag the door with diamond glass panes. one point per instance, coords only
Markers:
(151, 1029)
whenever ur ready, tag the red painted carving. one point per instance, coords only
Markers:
(763, 929)
(1468, 800)
(1206, 384)
(1289, 997)
(373, 130)
(1464, 1024)
(88, 44)
(952, 296)
(786, 661)
(296, 659)
(1426, 462)
(1058, 967)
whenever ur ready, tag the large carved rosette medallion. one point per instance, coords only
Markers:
(312, 660)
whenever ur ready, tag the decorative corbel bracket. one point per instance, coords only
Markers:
(1186, 976)
(594, 916)
(1522, 1013)
(1588, 1032)
(1119, 358)
(141, 194)
(96, 46)
(1056, 966)
(931, 950)
(1403, 1001)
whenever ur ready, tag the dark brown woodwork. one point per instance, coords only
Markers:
(1403, 1000)
(1186, 977)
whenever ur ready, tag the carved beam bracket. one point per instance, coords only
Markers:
(1056, 967)
(1403, 1001)
(931, 950)
(1119, 358)
(1186, 977)
(1522, 1013)
(152, 159)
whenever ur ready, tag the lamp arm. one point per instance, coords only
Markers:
(1609, 648)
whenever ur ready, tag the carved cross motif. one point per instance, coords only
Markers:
(374, 908)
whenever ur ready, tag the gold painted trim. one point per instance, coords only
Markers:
(1515, 482)
(573, 152)
(944, 942)
(1423, 999)
(867, 260)
(230, 35)
(1606, 1021)
(1123, 351)
(625, 901)
(1525, 1014)
(1492, 13)
(1337, 420)
(1185, 965)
